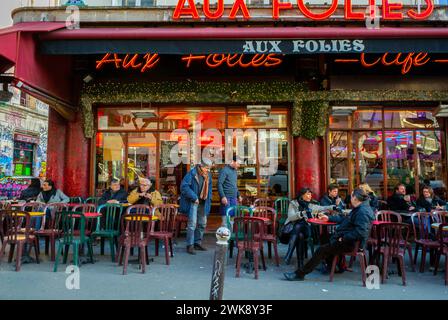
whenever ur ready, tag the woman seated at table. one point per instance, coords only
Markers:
(299, 211)
(428, 201)
(145, 194)
(50, 194)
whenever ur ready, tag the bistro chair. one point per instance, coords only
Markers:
(76, 200)
(139, 209)
(442, 234)
(269, 216)
(164, 229)
(281, 205)
(18, 233)
(263, 202)
(440, 216)
(87, 208)
(33, 206)
(93, 200)
(233, 212)
(52, 227)
(392, 235)
(251, 230)
(355, 253)
(135, 230)
(108, 226)
(421, 225)
(74, 235)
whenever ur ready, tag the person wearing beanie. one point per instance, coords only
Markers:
(195, 202)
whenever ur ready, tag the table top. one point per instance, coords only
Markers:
(36, 214)
(88, 215)
(376, 222)
(321, 222)
(154, 218)
(436, 226)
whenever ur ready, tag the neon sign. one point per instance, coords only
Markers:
(405, 60)
(149, 61)
(390, 10)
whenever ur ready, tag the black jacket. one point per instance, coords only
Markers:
(422, 203)
(30, 194)
(355, 226)
(373, 201)
(329, 201)
(121, 196)
(396, 202)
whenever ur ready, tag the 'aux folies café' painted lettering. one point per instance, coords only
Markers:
(389, 10)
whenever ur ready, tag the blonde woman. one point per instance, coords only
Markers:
(373, 199)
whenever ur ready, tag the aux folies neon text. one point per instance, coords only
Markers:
(390, 10)
(149, 61)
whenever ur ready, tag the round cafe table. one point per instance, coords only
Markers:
(154, 218)
(436, 226)
(321, 222)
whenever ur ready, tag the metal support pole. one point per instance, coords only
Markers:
(219, 263)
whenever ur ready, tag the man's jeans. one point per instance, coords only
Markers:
(197, 220)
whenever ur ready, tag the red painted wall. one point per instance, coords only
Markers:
(76, 171)
(57, 135)
(309, 165)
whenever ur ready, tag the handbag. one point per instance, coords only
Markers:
(285, 232)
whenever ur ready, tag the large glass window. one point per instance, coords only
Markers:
(23, 158)
(143, 141)
(384, 147)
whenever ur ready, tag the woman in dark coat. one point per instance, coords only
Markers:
(428, 201)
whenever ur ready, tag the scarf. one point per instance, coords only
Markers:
(48, 194)
(204, 190)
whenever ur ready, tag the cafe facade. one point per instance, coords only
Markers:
(303, 95)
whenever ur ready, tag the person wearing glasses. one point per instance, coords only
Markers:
(352, 228)
(145, 194)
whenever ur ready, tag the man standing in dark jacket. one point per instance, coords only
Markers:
(332, 198)
(355, 227)
(115, 194)
(228, 187)
(399, 201)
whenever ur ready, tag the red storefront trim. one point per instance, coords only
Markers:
(244, 32)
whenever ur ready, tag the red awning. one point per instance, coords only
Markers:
(19, 48)
(9, 39)
(245, 32)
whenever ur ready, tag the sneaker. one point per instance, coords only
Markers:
(190, 250)
(197, 246)
(294, 276)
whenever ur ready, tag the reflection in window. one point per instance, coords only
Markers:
(409, 119)
(339, 168)
(430, 161)
(370, 155)
(109, 158)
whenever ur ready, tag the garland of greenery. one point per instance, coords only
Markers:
(310, 111)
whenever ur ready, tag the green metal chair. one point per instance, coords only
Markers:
(238, 211)
(76, 200)
(281, 206)
(73, 226)
(108, 226)
(93, 200)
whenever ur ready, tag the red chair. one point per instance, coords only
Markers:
(33, 207)
(392, 216)
(139, 209)
(270, 235)
(440, 216)
(18, 232)
(422, 236)
(135, 230)
(388, 216)
(392, 236)
(356, 253)
(51, 228)
(263, 202)
(165, 229)
(251, 231)
(443, 249)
